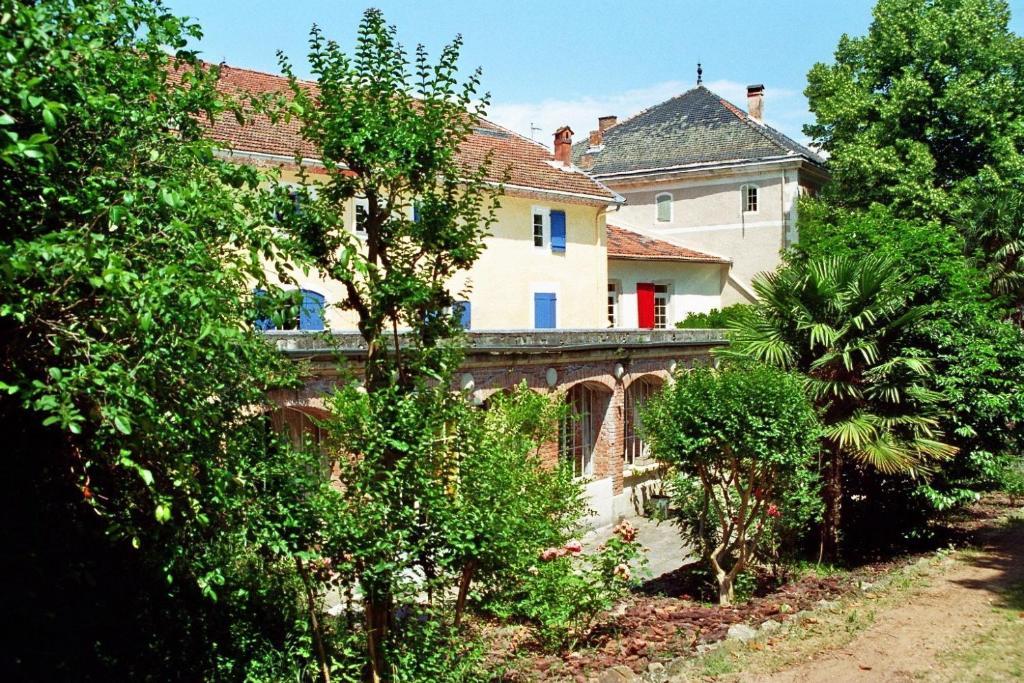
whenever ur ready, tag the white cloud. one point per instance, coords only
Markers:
(786, 109)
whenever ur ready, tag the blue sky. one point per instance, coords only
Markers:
(552, 63)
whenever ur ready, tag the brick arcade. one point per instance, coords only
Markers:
(605, 375)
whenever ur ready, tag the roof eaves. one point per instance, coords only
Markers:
(681, 259)
(696, 166)
(613, 198)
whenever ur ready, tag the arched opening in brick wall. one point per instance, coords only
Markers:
(636, 452)
(300, 424)
(580, 429)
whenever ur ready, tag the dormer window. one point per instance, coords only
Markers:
(750, 198)
(664, 207)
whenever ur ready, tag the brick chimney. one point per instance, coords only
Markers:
(596, 138)
(755, 102)
(606, 122)
(563, 145)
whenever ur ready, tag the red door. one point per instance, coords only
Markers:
(645, 305)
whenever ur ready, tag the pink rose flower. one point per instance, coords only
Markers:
(621, 571)
(773, 510)
(574, 547)
(625, 531)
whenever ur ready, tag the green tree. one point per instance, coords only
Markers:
(979, 358)
(508, 504)
(133, 384)
(994, 226)
(839, 321)
(388, 130)
(747, 436)
(714, 319)
(915, 110)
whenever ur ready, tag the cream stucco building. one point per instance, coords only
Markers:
(545, 265)
(577, 291)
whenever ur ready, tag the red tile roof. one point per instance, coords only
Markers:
(626, 244)
(531, 165)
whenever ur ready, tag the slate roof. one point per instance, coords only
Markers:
(530, 164)
(629, 245)
(697, 127)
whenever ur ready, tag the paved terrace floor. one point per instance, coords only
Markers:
(665, 549)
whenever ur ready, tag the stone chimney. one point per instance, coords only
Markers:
(606, 122)
(563, 145)
(755, 102)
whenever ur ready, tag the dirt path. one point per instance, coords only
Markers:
(906, 641)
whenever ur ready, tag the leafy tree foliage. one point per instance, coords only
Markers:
(923, 124)
(389, 130)
(979, 358)
(133, 385)
(839, 322)
(994, 226)
(433, 495)
(914, 112)
(747, 436)
(714, 319)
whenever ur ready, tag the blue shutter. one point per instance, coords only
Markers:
(259, 301)
(415, 212)
(311, 316)
(465, 311)
(544, 311)
(558, 231)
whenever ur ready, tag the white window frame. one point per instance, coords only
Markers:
(744, 199)
(614, 303)
(356, 203)
(636, 452)
(657, 207)
(580, 432)
(668, 322)
(545, 213)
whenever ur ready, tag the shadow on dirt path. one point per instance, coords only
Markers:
(906, 642)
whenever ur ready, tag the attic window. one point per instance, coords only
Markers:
(750, 198)
(664, 207)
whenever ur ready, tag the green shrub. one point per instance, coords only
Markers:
(563, 592)
(715, 319)
(741, 440)
(1012, 479)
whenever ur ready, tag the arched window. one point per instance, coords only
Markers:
(581, 427)
(636, 452)
(750, 198)
(300, 425)
(664, 205)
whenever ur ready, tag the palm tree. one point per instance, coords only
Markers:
(995, 230)
(839, 321)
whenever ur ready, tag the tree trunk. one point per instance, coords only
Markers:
(465, 581)
(314, 623)
(830, 527)
(379, 609)
(725, 590)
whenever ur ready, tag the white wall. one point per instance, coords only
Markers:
(694, 287)
(708, 216)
